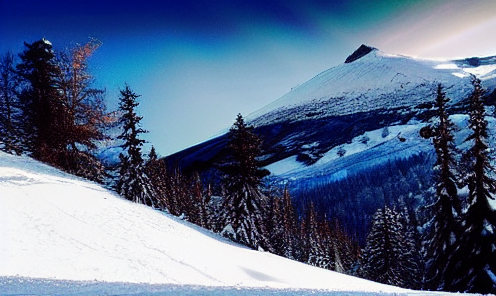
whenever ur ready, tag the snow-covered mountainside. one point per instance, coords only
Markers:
(376, 81)
(357, 117)
(372, 90)
(65, 236)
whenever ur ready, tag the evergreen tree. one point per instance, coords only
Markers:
(180, 196)
(303, 250)
(244, 203)
(275, 227)
(289, 226)
(443, 230)
(10, 114)
(346, 254)
(472, 266)
(202, 199)
(41, 102)
(174, 193)
(133, 183)
(389, 254)
(157, 174)
(329, 250)
(194, 199)
(316, 253)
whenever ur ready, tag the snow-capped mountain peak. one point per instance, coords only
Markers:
(369, 80)
(360, 52)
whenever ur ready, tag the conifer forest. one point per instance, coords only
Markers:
(439, 237)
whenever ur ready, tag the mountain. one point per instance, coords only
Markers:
(329, 135)
(366, 93)
(61, 235)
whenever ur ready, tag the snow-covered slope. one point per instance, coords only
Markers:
(371, 91)
(361, 115)
(55, 229)
(374, 81)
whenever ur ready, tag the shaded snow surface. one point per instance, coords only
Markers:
(65, 236)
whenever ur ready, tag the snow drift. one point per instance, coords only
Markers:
(56, 228)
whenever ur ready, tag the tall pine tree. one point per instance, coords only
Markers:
(443, 228)
(244, 203)
(133, 183)
(316, 248)
(472, 266)
(275, 227)
(41, 101)
(290, 227)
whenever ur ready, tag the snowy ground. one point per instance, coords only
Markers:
(358, 154)
(65, 236)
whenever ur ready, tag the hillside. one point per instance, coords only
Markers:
(371, 91)
(328, 137)
(62, 235)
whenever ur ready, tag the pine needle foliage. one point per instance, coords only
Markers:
(133, 183)
(472, 266)
(443, 228)
(389, 256)
(244, 203)
(10, 113)
(41, 102)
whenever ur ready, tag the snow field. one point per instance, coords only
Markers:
(56, 229)
(367, 142)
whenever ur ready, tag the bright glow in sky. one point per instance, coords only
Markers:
(197, 64)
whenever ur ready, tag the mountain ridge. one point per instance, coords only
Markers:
(359, 117)
(373, 91)
(373, 79)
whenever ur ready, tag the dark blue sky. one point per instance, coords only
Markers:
(199, 63)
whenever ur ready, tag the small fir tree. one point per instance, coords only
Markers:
(157, 174)
(346, 254)
(201, 197)
(303, 250)
(388, 257)
(316, 253)
(289, 225)
(132, 183)
(244, 203)
(275, 226)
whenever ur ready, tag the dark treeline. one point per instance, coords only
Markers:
(455, 248)
(250, 211)
(431, 238)
(354, 199)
